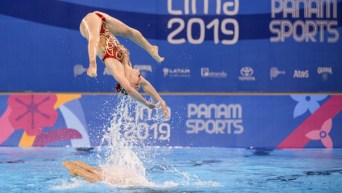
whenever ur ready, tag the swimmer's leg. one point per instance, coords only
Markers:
(91, 25)
(121, 29)
(76, 170)
(71, 167)
(90, 177)
(87, 167)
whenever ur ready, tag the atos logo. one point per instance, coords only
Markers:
(247, 74)
(301, 74)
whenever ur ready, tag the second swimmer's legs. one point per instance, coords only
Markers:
(83, 170)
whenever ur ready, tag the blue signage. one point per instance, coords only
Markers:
(208, 45)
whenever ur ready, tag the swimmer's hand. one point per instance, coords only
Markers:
(150, 105)
(164, 108)
(165, 111)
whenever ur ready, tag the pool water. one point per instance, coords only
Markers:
(179, 170)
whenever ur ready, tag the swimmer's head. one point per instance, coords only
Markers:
(119, 89)
(134, 77)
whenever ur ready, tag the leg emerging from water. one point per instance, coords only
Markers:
(83, 170)
(121, 29)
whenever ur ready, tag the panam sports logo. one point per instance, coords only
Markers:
(214, 119)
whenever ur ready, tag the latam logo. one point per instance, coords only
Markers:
(301, 74)
(246, 74)
(177, 72)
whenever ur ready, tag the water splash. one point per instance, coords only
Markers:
(125, 148)
(121, 165)
(68, 184)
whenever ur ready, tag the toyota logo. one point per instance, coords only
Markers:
(246, 71)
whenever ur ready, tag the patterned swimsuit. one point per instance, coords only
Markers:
(113, 48)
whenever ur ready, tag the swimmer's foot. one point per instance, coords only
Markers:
(155, 55)
(92, 72)
(70, 167)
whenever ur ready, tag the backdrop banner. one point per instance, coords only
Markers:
(208, 45)
(80, 120)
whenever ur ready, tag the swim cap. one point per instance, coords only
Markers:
(119, 89)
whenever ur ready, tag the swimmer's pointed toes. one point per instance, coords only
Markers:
(161, 59)
(66, 163)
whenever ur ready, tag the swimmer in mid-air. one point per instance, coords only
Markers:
(100, 30)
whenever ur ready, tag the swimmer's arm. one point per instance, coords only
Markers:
(150, 90)
(132, 92)
(126, 62)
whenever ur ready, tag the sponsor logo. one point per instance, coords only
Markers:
(324, 72)
(206, 73)
(315, 21)
(106, 71)
(301, 74)
(143, 67)
(214, 119)
(246, 74)
(275, 72)
(79, 70)
(177, 72)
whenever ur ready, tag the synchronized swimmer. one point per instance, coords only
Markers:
(100, 30)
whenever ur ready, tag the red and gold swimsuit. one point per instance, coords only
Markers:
(113, 48)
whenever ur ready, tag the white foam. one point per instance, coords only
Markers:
(121, 166)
